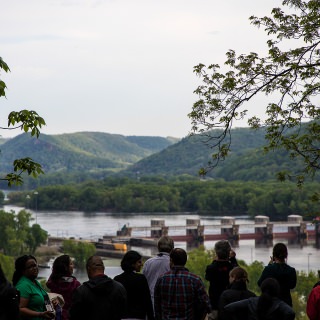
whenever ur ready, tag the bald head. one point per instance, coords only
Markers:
(94, 266)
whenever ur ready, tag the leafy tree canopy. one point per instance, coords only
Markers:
(79, 250)
(290, 78)
(26, 120)
(17, 236)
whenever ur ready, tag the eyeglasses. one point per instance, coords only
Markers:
(32, 266)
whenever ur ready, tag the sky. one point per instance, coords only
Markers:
(118, 66)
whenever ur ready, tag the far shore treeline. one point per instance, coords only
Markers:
(153, 195)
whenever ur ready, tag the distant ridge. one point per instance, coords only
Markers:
(81, 156)
(247, 160)
(81, 151)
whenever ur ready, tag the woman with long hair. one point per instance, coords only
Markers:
(266, 307)
(33, 298)
(136, 285)
(62, 281)
(238, 279)
(280, 270)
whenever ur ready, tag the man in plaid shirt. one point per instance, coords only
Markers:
(180, 294)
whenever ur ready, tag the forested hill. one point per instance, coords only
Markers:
(77, 157)
(247, 160)
(82, 151)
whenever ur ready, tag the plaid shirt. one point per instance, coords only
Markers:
(180, 294)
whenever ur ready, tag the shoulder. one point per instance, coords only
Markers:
(292, 269)
(140, 276)
(285, 307)
(23, 283)
(117, 285)
(269, 268)
(212, 265)
(193, 276)
(118, 277)
(8, 291)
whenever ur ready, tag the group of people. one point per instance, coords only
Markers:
(230, 298)
(162, 289)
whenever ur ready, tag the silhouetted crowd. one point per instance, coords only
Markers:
(163, 290)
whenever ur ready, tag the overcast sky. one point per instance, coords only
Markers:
(118, 66)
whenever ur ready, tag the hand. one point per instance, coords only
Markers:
(232, 254)
(271, 260)
(48, 315)
(55, 302)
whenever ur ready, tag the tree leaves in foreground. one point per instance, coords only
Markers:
(27, 121)
(289, 78)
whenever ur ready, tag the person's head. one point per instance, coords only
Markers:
(222, 249)
(178, 257)
(165, 244)
(280, 252)
(238, 274)
(25, 266)
(270, 289)
(94, 266)
(62, 267)
(131, 261)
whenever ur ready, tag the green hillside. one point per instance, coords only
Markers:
(247, 160)
(191, 153)
(82, 151)
(82, 156)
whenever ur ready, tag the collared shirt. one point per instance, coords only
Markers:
(155, 267)
(180, 294)
(33, 292)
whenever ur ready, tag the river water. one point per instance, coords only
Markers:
(302, 256)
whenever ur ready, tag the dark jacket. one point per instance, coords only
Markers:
(138, 295)
(9, 302)
(217, 273)
(286, 277)
(99, 298)
(237, 291)
(64, 286)
(278, 311)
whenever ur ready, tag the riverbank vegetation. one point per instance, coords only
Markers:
(153, 195)
(17, 236)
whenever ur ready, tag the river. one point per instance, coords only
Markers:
(93, 226)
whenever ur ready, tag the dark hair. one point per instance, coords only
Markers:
(20, 265)
(280, 251)
(61, 267)
(178, 257)
(239, 274)
(165, 244)
(130, 258)
(222, 249)
(270, 289)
